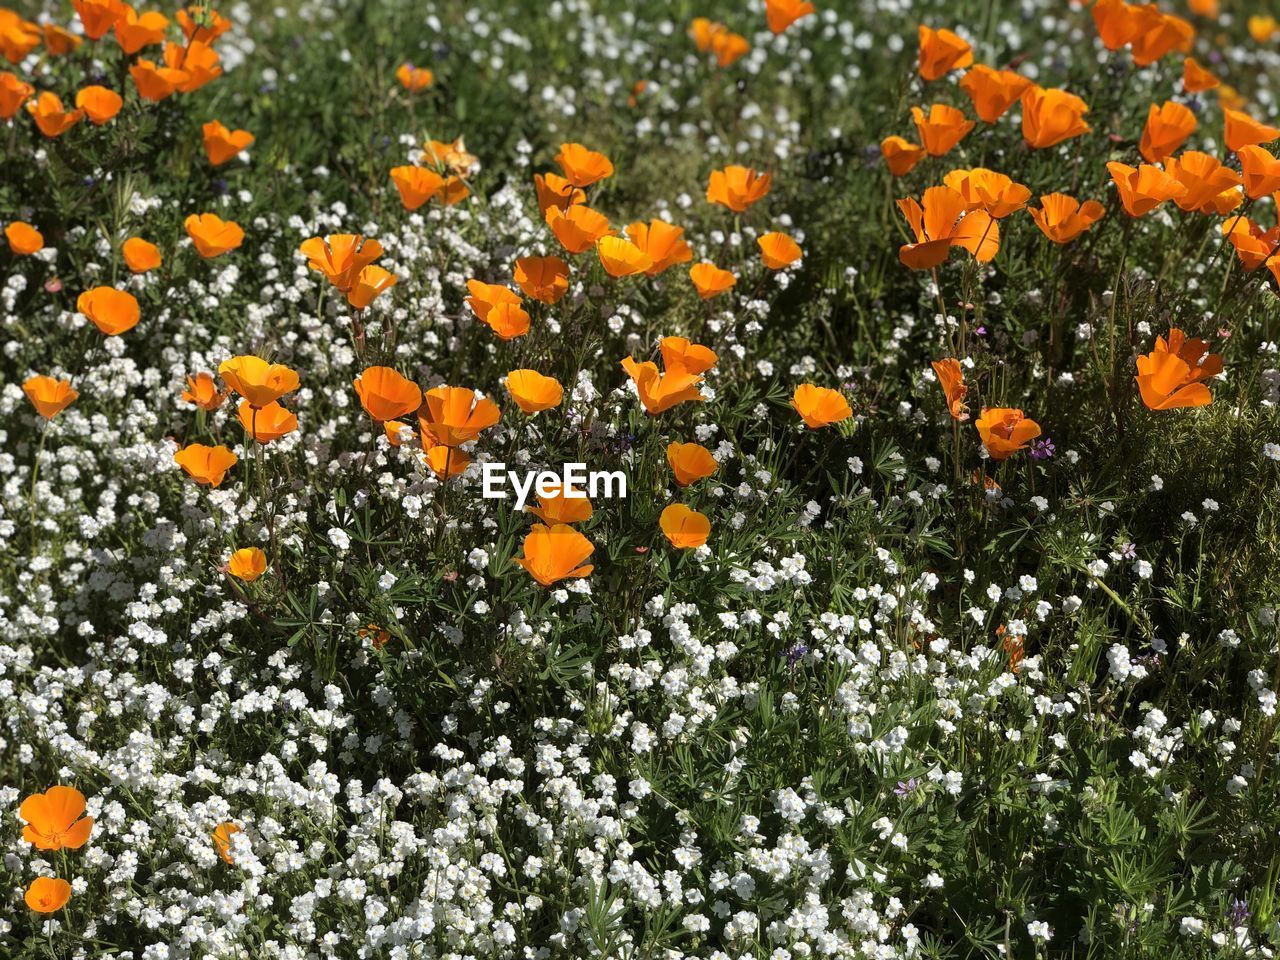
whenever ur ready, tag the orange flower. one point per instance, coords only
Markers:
(198, 62)
(942, 128)
(581, 166)
(562, 508)
(212, 235)
(900, 155)
(709, 280)
(455, 415)
(416, 185)
(1051, 116)
(1143, 188)
(545, 279)
(247, 564)
(18, 37)
(139, 255)
(690, 462)
(221, 144)
(371, 283)
(552, 554)
(55, 819)
(50, 116)
(256, 380)
(112, 311)
(1196, 78)
(13, 94)
(414, 78)
(992, 92)
(1261, 171)
(1062, 218)
(47, 894)
(1116, 21)
(98, 16)
(686, 529)
(23, 238)
(678, 353)
(987, 190)
(662, 242)
(205, 465)
(781, 14)
(533, 392)
(1159, 34)
(1204, 8)
(942, 222)
(385, 394)
(951, 379)
(555, 191)
(1252, 244)
(508, 320)
(397, 432)
(135, 31)
(202, 390)
(778, 251)
(1169, 376)
(49, 396)
(60, 42)
(1241, 130)
(340, 257)
(99, 103)
(941, 51)
(222, 835)
(578, 227)
(267, 423)
(1262, 28)
(683, 364)
(728, 47)
(621, 258)
(202, 23)
(1206, 181)
(485, 296)
(451, 156)
(737, 187)
(1167, 129)
(820, 406)
(1005, 431)
(155, 82)
(444, 461)
(376, 635)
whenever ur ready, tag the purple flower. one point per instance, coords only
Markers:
(1238, 912)
(1042, 449)
(794, 652)
(903, 789)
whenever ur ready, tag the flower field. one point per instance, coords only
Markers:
(643, 481)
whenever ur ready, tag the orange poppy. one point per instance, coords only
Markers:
(679, 353)
(416, 185)
(340, 257)
(98, 16)
(397, 432)
(951, 378)
(139, 255)
(1051, 116)
(1159, 34)
(1167, 129)
(47, 894)
(555, 553)
(728, 47)
(386, 394)
(1005, 431)
(51, 117)
(737, 187)
(256, 380)
(578, 227)
(414, 78)
(686, 529)
(485, 296)
(1261, 171)
(371, 282)
(135, 31)
(709, 280)
(690, 462)
(662, 242)
(683, 363)
(900, 155)
(112, 311)
(267, 423)
(451, 156)
(942, 128)
(221, 144)
(59, 42)
(1143, 188)
(55, 819)
(445, 461)
(202, 390)
(222, 835)
(545, 279)
(941, 51)
(780, 14)
(48, 395)
(987, 190)
(1169, 376)
(1062, 218)
(562, 508)
(205, 465)
(202, 23)
(555, 191)
(583, 167)
(1196, 78)
(820, 406)
(1116, 22)
(18, 37)
(198, 62)
(155, 82)
(1241, 130)
(23, 238)
(212, 235)
(992, 92)
(247, 564)
(13, 94)
(1262, 28)
(778, 251)
(99, 103)
(621, 257)
(1253, 245)
(508, 320)
(533, 392)
(944, 221)
(1206, 181)
(456, 415)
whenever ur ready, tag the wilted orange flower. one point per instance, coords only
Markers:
(556, 553)
(1206, 181)
(778, 251)
(578, 227)
(455, 415)
(55, 819)
(414, 78)
(987, 190)
(202, 23)
(1051, 116)
(545, 279)
(900, 155)
(621, 257)
(197, 61)
(256, 380)
(737, 187)
(340, 257)
(1005, 431)
(247, 564)
(686, 529)
(709, 280)
(212, 235)
(1252, 244)
(51, 117)
(1261, 171)
(1062, 218)
(206, 465)
(222, 835)
(48, 395)
(1167, 129)
(951, 379)
(662, 242)
(23, 238)
(376, 635)
(221, 144)
(139, 255)
(683, 363)
(690, 462)
(47, 894)
(485, 296)
(1159, 34)
(1241, 130)
(371, 282)
(941, 51)
(562, 508)
(112, 311)
(267, 423)
(99, 103)
(98, 16)
(780, 14)
(60, 42)
(533, 392)
(386, 394)
(135, 31)
(202, 390)
(1169, 376)
(992, 91)
(416, 185)
(555, 191)
(13, 94)
(155, 82)
(1196, 78)
(583, 167)
(944, 221)
(820, 406)
(942, 128)
(1143, 188)
(451, 156)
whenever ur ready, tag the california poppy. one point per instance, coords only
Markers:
(414, 78)
(583, 167)
(621, 258)
(256, 380)
(555, 191)
(690, 462)
(555, 553)
(1169, 376)
(1143, 188)
(578, 227)
(55, 819)
(1167, 129)
(267, 423)
(941, 51)
(198, 63)
(98, 16)
(444, 461)
(992, 92)
(562, 508)
(212, 235)
(533, 392)
(1062, 218)
(416, 185)
(1206, 180)
(1253, 245)
(820, 406)
(221, 144)
(99, 103)
(139, 255)
(499, 307)
(48, 395)
(50, 115)
(683, 363)
(205, 465)
(371, 282)
(737, 187)
(943, 221)
(59, 41)
(951, 378)
(686, 529)
(1241, 130)
(1262, 27)
(112, 311)
(155, 82)
(1159, 34)
(1196, 78)
(780, 14)
(137, 30)
(709, 280)
(987, 190)
(778, 251)
(451, 156)
(222, 835)
(901, 155)
(545, 279)
(18, 37)
(202, 390)
(202, 23)
(728, 47)
(1005, 431)
(1051, 116)
(662, 242)
(47, 894)
(14, 92)
(456, 415)
(942, 128)
(1116, 22)
(247, 564)
(1261, 171)
(679, 353)
(386, 394)
(23, 238)
(340, 257)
